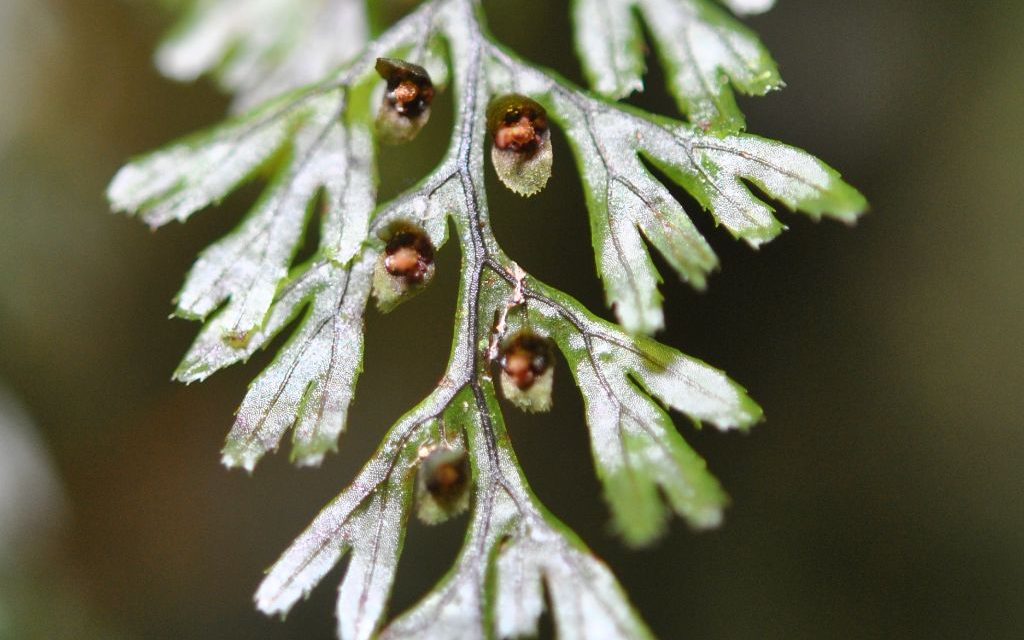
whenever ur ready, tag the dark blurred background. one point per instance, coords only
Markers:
(882, 498)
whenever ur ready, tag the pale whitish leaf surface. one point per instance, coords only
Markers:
(627, 204)
(311, 381)
(259, 49)
(587, 602)
(524, 175)
(368, 519)
(639, 455)
(749, 7)
(455, 609)
(705, 51)
(514, 544)
(715, 171)
(320, 152)
(318, 146)
(532, 552)
(316, 149)
(175, 182)
(610, 46)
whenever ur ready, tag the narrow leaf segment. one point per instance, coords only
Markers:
(315, 150)
(706, 54)
(259, 49)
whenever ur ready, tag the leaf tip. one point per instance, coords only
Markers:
(269, 601)
(639, 516)
(189, 372)
(706, 519)
(311, 454)
(640, 322)
(234, 458)
(117, 190)
(749, 7)
(748, 414)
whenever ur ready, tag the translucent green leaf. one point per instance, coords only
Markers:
(211, 352)
(627, 203)
(705, 51)
(175, 182)
(610, 46)
(316, 145)
(372, 528)
(714, 170)
(638, 453)
(526, 176)
(513, 549)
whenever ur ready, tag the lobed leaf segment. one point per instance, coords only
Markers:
(317, 144)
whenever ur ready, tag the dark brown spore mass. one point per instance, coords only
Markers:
(408, 255)
(409, 88)
(526, 358)
(518, 124)
(447, 475)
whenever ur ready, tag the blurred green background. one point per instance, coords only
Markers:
(883, 497)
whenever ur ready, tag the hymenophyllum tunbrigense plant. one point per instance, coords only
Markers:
(315, 144)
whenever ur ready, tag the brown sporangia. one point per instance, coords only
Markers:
(525, 358)
(405, 265)
(408, 94)
(442, 484)
(517, 123)
(527, 371)
(410, 255)
(521, 134)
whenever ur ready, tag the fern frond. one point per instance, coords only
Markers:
(316, 144)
